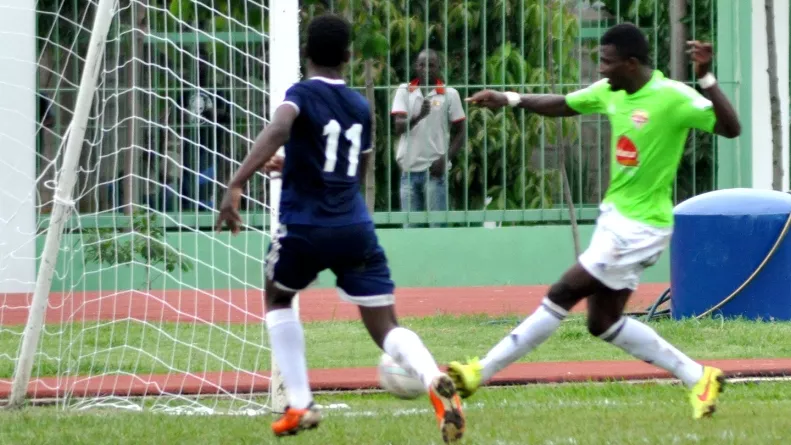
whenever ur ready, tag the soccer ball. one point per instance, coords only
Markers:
(398, 381)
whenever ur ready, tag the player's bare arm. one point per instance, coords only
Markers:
(264, 148)
(727, 120)
(551, 105)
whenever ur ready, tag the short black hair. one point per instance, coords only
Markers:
(628, 41)
(328, 40)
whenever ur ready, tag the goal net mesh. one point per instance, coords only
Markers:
(147, 300)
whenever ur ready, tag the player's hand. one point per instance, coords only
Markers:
(437, 168)
(488, 98)
(275, 164)
(229, 210)
(702, 55)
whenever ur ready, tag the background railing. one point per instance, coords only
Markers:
(510, 170)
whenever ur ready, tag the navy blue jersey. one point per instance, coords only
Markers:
(321, 186)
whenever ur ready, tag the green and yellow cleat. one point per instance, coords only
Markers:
(704, 394)
(466, 377)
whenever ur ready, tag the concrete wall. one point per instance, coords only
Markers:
(418, 257)
(761, 118)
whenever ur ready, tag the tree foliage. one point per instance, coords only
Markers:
(501, 45)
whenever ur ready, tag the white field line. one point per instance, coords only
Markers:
(344, 410)
(87, 405)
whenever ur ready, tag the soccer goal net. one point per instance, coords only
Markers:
(122, 121)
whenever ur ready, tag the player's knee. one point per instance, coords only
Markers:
(598, 325)
(557, 291)
(277, 298)
(278, 301)
(562, 294)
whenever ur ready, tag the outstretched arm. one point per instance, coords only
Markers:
(727, 120)
(552, 105)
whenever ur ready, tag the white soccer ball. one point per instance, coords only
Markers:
(398, 381)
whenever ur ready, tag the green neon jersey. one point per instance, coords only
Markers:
(649, 131)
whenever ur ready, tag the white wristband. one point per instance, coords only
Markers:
(513, 98)
(707, 81)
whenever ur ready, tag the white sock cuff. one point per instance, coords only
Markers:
(556, 311)
(280, 316)
(396, 337)
(610, 334)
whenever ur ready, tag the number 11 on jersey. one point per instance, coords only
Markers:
(333, 131)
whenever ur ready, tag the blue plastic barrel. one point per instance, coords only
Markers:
(719, 239)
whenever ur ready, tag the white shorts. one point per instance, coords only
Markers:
(622, 248)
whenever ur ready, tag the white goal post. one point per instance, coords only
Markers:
(62, 202)
(284, 48)
(134, 293)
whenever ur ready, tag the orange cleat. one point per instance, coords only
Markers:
(447, 406)
(295, 420)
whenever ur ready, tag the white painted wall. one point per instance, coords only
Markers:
(18, 119)
(761, 112)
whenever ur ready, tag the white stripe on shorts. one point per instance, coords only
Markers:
(372, 301)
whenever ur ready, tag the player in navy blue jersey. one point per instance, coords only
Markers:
(326, 129)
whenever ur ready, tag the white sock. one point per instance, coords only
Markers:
(288, 345)
(644, 343)
(407, 350)
(536, 329)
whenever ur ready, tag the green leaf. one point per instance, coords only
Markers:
(182, 9)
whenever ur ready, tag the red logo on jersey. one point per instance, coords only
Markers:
(626, 152)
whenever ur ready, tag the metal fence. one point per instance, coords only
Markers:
(510, 168)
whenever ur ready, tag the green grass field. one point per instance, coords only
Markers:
(135, 347)
(573, 414)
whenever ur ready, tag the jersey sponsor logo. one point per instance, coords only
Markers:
(639, 118)
(626, 152)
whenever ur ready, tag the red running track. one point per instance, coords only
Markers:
(247, 306)
(242, 306)
(365, 378)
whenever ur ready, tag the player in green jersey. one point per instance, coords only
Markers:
(650, 117)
